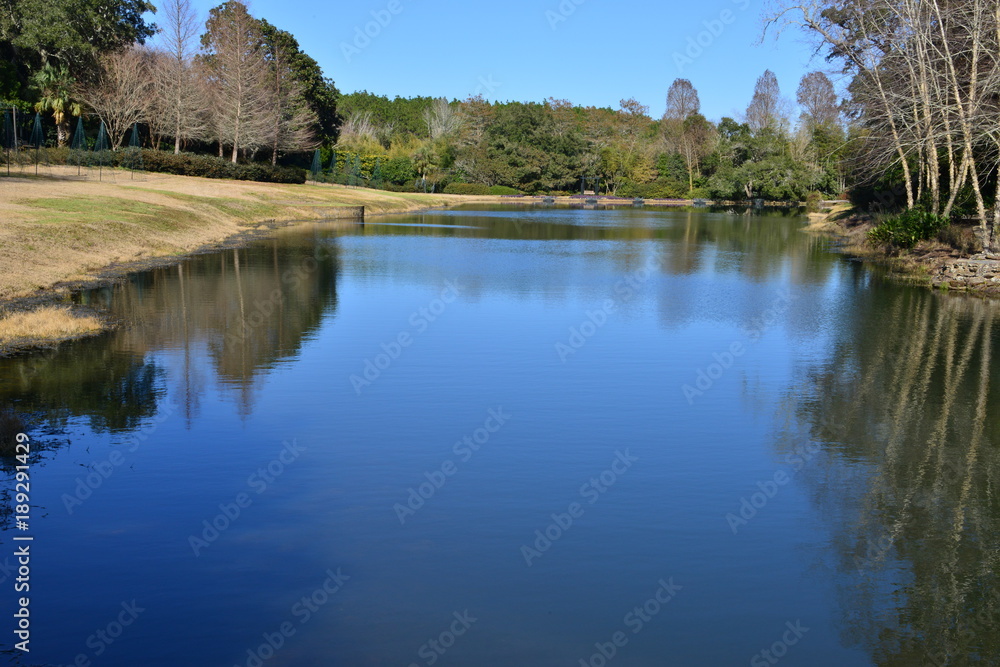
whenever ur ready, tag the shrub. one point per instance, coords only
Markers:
(467, 189)
(813, 200)
(907, 228)
(503, 190)
(399, 171)
(210, 166)
(660, 189)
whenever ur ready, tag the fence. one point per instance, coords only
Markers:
(27, 149)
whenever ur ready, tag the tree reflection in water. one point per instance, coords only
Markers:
(904, 412)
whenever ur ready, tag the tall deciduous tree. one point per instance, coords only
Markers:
(682, 100)
(629, 154)
(234, 57)
(818, 100)
(319, 93)
(765, 109)
(685, 130)
(181, 104)
(122, 94)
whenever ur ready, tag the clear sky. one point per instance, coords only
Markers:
(591, 52)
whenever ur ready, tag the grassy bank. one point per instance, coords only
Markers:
(57, 231)
(45, 325)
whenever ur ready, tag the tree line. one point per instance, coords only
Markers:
(242, 88)
(555, 146)
(235, 83)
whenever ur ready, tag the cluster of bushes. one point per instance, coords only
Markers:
(466, 189)
(659, 189)
(210, 166)
(478, 189)
(906, 229)
(813, 201)
(183, 164)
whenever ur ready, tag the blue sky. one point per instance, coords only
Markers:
(591, 52)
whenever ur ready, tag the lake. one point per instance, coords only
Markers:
(516, 436)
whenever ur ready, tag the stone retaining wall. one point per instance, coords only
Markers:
(980, 273)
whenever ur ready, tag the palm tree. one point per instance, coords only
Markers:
(424, 160)
(56, 86)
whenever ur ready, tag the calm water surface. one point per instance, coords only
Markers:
(517, 437)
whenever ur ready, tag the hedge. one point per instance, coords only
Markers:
(183, 164)
(466, 189)
(210, 166)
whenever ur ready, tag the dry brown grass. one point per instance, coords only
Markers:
(58, 228)
(48, 323)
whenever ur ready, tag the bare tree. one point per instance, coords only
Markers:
(181, 100)
(239, 78)
(121, 94)
(359, 134)
(442, 120)
(818, 100)
(765, 109)
(682, 100)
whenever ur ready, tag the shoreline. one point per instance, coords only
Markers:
(208, 215)
(61, 234)
(929, 264)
